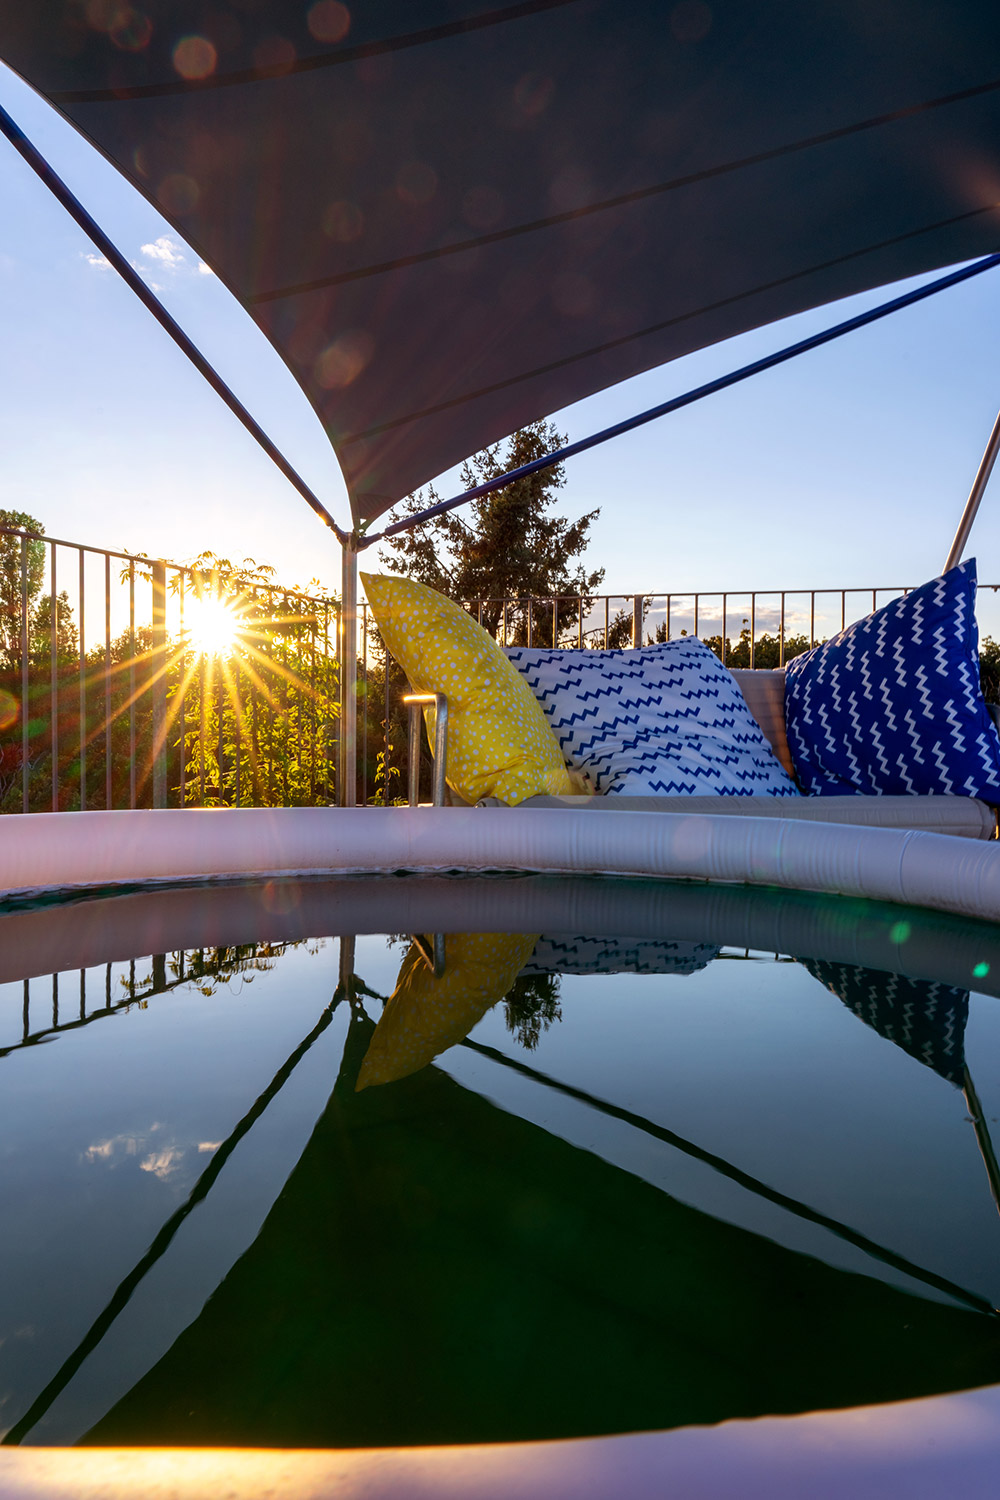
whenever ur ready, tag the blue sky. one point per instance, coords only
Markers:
(848, 467)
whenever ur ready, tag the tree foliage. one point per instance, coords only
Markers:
(508, 545)
(11, 554)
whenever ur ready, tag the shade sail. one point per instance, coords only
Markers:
(454, 216)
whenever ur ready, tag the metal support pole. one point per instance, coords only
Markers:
(637, 612)
(413, 702)
(158, 669)
(979, 484)
(347, 791)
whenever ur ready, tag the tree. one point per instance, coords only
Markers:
(507, 545)
(11, 581)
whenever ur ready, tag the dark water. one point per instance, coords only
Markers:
(663, 1178)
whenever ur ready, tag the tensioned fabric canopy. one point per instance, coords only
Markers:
(452, 217)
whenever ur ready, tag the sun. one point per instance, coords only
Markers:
(210, 626)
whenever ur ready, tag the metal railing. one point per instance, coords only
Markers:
(127, 681)
(112, 696)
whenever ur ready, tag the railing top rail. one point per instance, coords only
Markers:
(144, 559)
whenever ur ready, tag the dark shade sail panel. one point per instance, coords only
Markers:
(452, 217)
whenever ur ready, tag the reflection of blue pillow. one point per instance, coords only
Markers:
(563, 953)
(892, 705)
(656, 721)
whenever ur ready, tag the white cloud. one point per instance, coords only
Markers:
(204, 270)
(162, 1164)
(165, 250)
(100, 262)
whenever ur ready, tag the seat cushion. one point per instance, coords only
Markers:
(499, 743)
(764, 690)
(658, 720)
(892, 705)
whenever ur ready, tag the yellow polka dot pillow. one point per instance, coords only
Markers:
(499, 742)
(425, 1015)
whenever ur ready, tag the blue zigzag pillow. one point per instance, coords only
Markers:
(657, 720)
(892, 705)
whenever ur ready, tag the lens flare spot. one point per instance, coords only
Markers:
(416, 182)
(132, 31)
(899, 932)
(275, 54)
(195, 57)
(343, 222)
(328, 21)
(211, 626)
(342, 361)
(279, 897)
(8, 709)
(179, 193)
(981, 970)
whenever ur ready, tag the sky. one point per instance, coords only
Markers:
(847, 468)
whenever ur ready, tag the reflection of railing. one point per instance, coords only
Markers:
(168, 971)
(132, 682)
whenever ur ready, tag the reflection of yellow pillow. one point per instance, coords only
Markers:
(425, 1016)
(499, 742)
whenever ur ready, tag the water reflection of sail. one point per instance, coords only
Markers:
(924, 1018)
(437, 1270)
(427, 1012)
(566, 953)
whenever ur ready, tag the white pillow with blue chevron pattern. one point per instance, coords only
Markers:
(893, 706)
(658, 720)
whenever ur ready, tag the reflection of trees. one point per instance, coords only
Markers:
(531, 1007)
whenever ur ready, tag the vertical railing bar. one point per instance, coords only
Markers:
(83, 994)
(697, 603)
(55, 999)
(874, 602)
(83, 691)
(107, 988)
(108, 784)
(364, 716)
(812, 619)
(156, 674)
(667, 621)
(843, 608)
(202, 723)
(131, 684)
(555, 623)
(182, 687)
(531, 621)
(781, 643)
(54, 676)
(313, 708)
(753, 627)
(25, 684)
(237, 727)
(386, 709)
(724, 630)
(579, 624)
(26, 1011)
(607, 620)
(284, 697)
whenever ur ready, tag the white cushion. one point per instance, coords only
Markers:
(659, 720)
